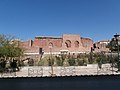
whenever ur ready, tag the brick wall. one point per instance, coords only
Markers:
(73, 43)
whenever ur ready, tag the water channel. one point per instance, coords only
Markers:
(97, 82)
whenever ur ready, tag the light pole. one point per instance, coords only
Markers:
(111, 61)
(111, 57)
(116, 36)
(51, 61)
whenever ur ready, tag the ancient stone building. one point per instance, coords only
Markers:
(68, 43)
(101, 46)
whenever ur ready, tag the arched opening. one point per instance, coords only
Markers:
(50, 44)
(76, 44)
(68, 43)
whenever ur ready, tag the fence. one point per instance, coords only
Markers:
(35, 71)
(72, 70)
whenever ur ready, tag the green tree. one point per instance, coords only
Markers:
(9, 47)
(114, 44)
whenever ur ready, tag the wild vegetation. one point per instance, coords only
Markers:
(9, 47)
(9, 51)
(77, 60)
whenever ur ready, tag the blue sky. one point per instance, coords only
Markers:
(25, 19)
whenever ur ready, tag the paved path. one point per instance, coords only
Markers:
(41, 71)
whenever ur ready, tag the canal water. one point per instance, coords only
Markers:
(101, 82)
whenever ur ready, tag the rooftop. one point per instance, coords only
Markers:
(47, 37)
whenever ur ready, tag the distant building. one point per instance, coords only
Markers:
(101, 46)
(68, 43)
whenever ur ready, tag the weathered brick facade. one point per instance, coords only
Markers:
(101, 46)
(69, 43)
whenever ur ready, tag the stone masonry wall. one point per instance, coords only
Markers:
(72, 43)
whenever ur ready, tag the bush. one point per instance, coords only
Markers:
(91, 59)
(31, 62)
(82, 62)
(65, 63)
(71, 61)
(50, 61)
(44, 61)
(59, 61)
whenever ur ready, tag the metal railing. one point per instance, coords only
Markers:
(41, 71)
(35, 71)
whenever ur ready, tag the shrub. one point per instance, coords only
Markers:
(59, 61)
(82, 62)
(71, 61)
(30, 62)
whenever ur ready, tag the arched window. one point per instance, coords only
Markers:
(68, 43)
(50, 44)
(76, 44)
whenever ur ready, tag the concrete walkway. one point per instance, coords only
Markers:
(42, 71)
